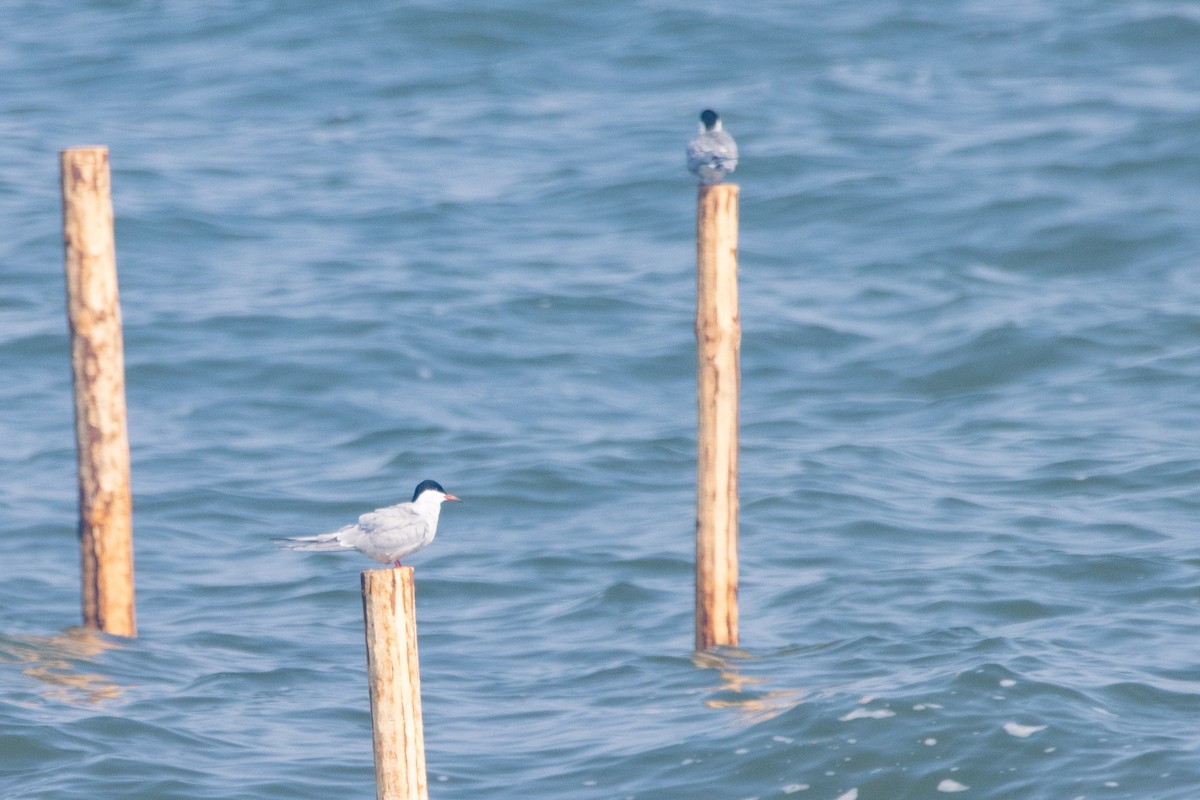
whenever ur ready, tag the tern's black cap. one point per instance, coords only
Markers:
(423, 485)
(709, 118)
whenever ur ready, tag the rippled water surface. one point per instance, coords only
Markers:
(361, 245)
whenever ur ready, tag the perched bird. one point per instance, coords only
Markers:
(713, 153)
(386, 534)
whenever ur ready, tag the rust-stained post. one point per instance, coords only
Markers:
(394, 676)
(718, 338)
(98, 365)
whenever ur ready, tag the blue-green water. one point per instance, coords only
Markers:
(361, 245)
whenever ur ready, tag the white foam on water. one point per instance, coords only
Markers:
(866, 713)
(1022, 731)
(792, 788)
(850, 795)
(948, 785)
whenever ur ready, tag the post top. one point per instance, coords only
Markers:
(386, 578)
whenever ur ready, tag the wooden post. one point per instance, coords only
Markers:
(394, 675)
(718, 338)
(98, 365)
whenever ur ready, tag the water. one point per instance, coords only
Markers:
(361, 246)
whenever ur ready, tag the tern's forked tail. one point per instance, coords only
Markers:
(326, 541)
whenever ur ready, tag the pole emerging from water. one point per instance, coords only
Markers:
(394, 676)
(98, 367)
(718, 340)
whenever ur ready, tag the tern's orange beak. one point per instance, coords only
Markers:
(451, 497)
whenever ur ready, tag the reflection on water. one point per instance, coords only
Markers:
(746, 694)
(59, 662)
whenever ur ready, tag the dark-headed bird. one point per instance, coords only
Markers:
(713, 153)
(386, 534)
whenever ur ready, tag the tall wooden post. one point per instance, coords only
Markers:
(98, 365)
(718, 338)
(394, 675)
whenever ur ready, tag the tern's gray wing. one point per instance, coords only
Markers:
(712, 154)
(389, 534)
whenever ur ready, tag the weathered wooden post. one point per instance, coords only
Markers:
(394, 676)
(98, 365)
(718, 338)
